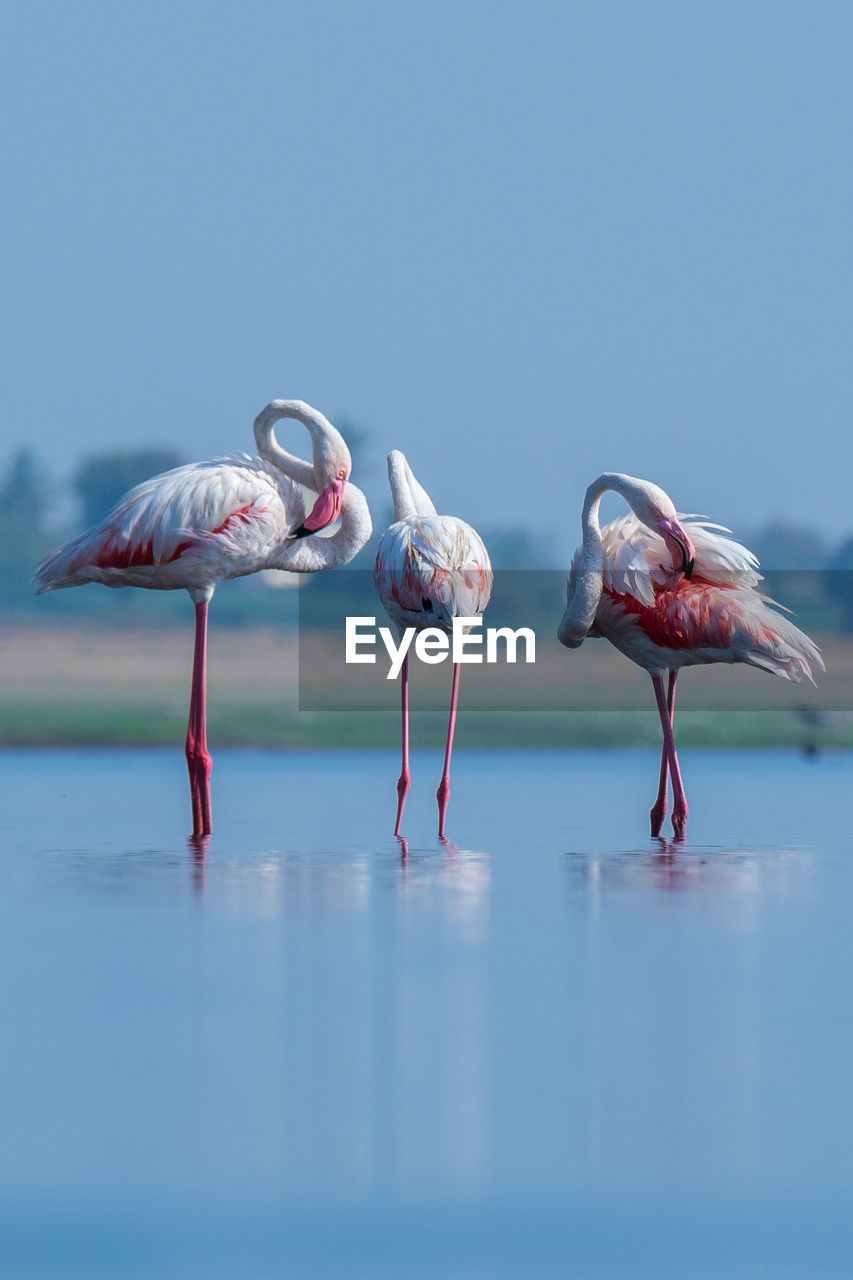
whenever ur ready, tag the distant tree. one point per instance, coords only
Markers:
(102, 478)
(24, 490)
(24, 497)
(780, 545)
(518, 548)
(838, 578)
(792, 558)
(843, 557)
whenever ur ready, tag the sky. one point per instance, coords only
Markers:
(525, 244)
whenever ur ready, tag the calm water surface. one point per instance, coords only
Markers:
(549, 1047)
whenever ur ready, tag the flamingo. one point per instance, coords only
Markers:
(673, 591)
(429, 570)
(197, 525)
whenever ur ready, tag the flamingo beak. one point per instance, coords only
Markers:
(679, 544)
(325, 511)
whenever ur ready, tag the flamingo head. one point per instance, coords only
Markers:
(656, 510)
(678, 544)
(332, 467)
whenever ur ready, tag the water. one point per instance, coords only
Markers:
(550, 1047)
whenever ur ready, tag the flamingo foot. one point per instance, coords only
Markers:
(679, 824)
(443, 798)
(199, 766)
(656, 817)
(403, 785)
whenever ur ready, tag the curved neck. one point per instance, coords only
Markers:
(268, 447)
(590, 519)
(410, 499)
(310, 555)
(637, 493)
(587, 575)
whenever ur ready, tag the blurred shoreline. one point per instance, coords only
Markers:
(101, 686)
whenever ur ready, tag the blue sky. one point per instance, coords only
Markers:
(524, 244)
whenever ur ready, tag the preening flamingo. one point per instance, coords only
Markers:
(673, 591)
(429, 570)
(199, 524)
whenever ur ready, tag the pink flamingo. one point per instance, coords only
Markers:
(429, 570)
(199, 524)
(672, 591)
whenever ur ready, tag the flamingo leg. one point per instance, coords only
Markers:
(679, 805)
(405, 779)
(443, 793)
(658, 812)
(199, 762)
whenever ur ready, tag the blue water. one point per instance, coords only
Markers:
(552, 1047)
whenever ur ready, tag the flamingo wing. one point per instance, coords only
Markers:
(636, 560)
(229, 513)
(431, 569)
(696, 622)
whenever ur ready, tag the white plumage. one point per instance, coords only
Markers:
(199, 524)
(636, 558)
(429, 570)
(671, 591)
(191, 527)
(717, 615)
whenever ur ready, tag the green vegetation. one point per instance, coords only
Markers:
(85, 685)
(24, 724)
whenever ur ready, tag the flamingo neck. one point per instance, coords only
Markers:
(592, 545)
(587, 577)
(268, 447)
(586, 580)
(410, 498)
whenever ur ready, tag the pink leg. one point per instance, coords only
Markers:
(199, 762)
(405, 779)
(658, 812)
(679, 806)
(443, 793)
